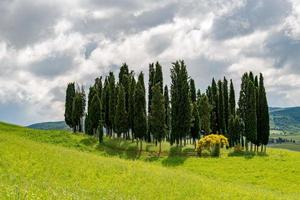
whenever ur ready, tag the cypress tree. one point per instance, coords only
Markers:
(150, 94)
(235, 128)
(112, 100)
(192, 90)
(158, 77)
(221, 116)
(121, 122)
(195, 123)
(213, 93)
(204, 113)
(264, 125)
(250, 117)
(180, 102)
(140, 120)
(157, 117)
(226, 104)
(131, 104)
(70, 93)
(231, 100)
(95, 113)
(167, 111)
(76, 111)
(105, 105)
(242, 103)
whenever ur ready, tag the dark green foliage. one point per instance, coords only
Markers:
(180, 103)
(76, 111)
(150, 94)
(112, 100)
(243, 97)
(226, 103)
(204, 113)
(231, 100)
(214, 101)
(140, 120)
(94, 113)
(167, 111)
(105, 105)
(250, 116)
(158, 78)
(195, 123)
(131, 103)
(157, 117)
(221, 114)
(263, 119)
(235, 130)
(121, 120)
(192, 90)
(70, 93)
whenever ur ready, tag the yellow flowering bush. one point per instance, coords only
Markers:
(212, 143)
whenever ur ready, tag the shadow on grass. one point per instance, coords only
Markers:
(121, 148)
(177, 156)
(247, 154)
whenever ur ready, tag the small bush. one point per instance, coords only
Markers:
(212, 143)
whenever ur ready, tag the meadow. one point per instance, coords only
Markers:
(37, 164)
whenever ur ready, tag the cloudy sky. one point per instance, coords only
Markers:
(46, 44)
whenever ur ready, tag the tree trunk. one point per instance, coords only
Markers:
(159, 149)
(141, 145)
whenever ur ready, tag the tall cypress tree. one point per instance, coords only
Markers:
(131, 104)
(140, 120)
(221, 116)
(76, 111)
(105, 105)
(70, 93)
(192, 90)
(167, 111)
(157, 117)
(264, 125)
(242, 103)
(180, 102)
(251, 118)
(121, 122)
(112, 100)
(213, 94)
(226, 103)
(231, 99)
(150, 94)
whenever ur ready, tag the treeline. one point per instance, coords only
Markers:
(179, 114)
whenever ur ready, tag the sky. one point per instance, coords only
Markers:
(46, 44)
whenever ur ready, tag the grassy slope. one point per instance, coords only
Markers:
(60, 165)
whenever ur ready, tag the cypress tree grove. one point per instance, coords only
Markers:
(70, 93)
(157, 117)
(192, 90)
(76, 111)
(105, 105)
(264, 126)
(121, 120)
(140, 120)
(242, 103)
(251, 118)
(235, 128)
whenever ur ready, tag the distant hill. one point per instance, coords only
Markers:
(285, 118)
(60, 125)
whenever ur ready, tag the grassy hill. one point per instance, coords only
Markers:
(287, 119)
(60, 125)
(36, 164)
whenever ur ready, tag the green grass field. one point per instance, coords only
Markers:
(59, 165)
